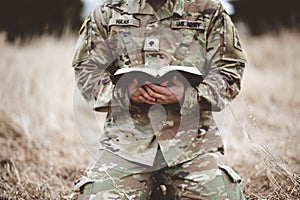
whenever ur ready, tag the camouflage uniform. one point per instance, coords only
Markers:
(178, 142)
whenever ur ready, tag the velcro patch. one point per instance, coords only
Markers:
(124, 22)
(188, 24)
(151, 44)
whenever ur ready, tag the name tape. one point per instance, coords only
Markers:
(124, 22)
(188, 24)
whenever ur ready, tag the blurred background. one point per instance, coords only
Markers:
(44, 150)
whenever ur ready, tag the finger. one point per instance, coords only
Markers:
(150, 91)
(157, 88)
(153, 94)
(145, 94)
(136, 99)
(176, 81)
(144, 100)
(133, 84)
(165, 83)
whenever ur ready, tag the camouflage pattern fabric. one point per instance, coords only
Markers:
(205, 177)
(192, 33)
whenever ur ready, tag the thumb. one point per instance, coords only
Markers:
(165, 83)
(175, 80)
(133, 84)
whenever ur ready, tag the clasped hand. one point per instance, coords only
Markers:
(167, 92)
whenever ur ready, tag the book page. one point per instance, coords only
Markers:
(160, 72)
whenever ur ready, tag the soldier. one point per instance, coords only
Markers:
(159, 135)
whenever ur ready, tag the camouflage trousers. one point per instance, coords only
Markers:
(205, 177)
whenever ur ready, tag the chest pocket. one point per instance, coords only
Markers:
(121, 21)
(191, 51)
(120, 28)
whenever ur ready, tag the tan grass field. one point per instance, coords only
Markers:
(43, 150)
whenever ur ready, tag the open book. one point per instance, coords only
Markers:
(190, 75)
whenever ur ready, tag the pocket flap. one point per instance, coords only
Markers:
(235, 177)
(80, 183)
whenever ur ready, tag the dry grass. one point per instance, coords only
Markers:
(40, 150)
(262, 123)
(42, 153)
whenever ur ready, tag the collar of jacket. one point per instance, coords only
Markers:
(166, 11)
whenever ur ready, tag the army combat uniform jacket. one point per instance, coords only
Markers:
(190, 33)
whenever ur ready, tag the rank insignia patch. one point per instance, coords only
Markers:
(151, 44)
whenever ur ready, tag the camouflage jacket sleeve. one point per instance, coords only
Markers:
(94, 62)
(225, 64)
